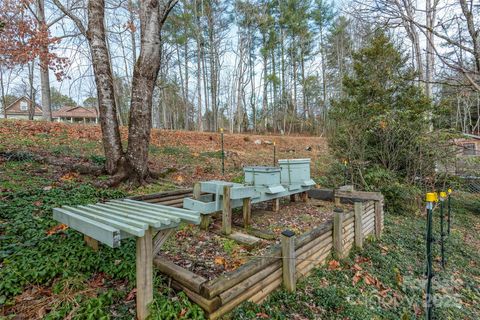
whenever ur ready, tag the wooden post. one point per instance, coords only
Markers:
(197, 191)
(358, 224)
(144, 268)
(92, 243)
(276, 205)
(292, 197)
(204, 218)
(227, 211)
(288, 260)
(338, 232)
(378, 219)
(247, 211)
(304, 196)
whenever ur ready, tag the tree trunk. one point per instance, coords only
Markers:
(4, 101)
(44, 76)
(31, 92)
(152, 16)
(105, 88)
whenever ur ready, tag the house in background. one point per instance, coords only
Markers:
(76, 115)
(19, 110)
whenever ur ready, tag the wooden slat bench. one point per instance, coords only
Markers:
(112, 221)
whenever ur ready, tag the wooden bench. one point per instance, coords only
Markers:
(115, 220)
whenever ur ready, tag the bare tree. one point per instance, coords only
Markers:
(132, 164)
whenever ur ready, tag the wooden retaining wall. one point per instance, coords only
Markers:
(168, 198)
(256, 279)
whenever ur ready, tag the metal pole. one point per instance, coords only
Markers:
(449, 211)
(274, 154)
(223, 154)
(443, 195)
(429, 240)
(345, 172)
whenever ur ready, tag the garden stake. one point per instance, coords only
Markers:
(430, 198)
(345, 172)
(223, 154)
(449, 211)
(274, 153)
(443, 195)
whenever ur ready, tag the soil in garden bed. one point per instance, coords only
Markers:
(210, 254)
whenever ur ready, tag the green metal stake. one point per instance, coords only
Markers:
(431, 197)
(274, 154)
(449, 211)
(345, 172)
(443, 195)
(223, 154)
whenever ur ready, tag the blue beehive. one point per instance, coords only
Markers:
(265, 177)
(295, 173)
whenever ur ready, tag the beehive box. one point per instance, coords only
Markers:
(295, 172)
(267, 177)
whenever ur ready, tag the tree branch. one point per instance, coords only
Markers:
(74, 18)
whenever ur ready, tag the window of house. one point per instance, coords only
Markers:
(469, 149)
(23, 105)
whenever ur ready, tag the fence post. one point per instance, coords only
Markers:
(378, 218)
(288, 260)
(226, 212)
(338, 232)
(358, 224)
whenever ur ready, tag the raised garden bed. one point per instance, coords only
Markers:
(218, 274)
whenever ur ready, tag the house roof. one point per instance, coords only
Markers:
(14, 108)
(75, 112)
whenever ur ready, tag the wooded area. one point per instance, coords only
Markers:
(250, 65)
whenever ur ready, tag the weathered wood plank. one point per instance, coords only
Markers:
(209, 305)
(358, 207)
(92, 243)
(144, 271)
(288, 264)
(319, 258)
(161, 194)
(274, 278)
(276, 205)
(378, 219)
(185, 277)
(238, 289)
(359, 195)
(228, 280)
(247, 212)
(244, 239)
(310, 254)
(226, 211)
(337, 233)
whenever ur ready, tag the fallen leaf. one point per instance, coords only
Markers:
(220, 261)
(131, 295)
(333, 265)
(183, 312)
(262, 315)
(357, 277)
(357, 267)
(57, 229)
(70, 176)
